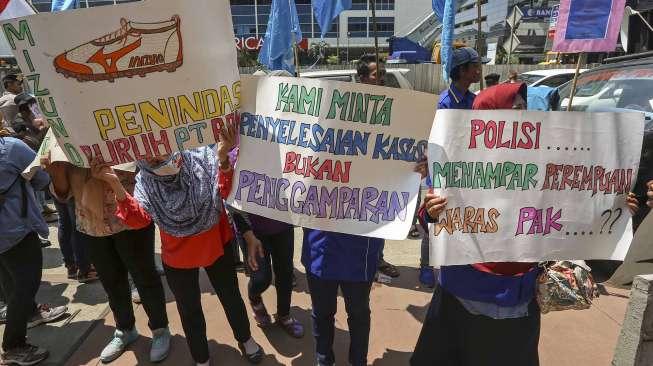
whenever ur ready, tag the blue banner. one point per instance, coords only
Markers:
(328, 10)
(59, 5)
(283, 31)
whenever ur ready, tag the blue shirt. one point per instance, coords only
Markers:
(452, 98)
(340, 257)
(15, 157)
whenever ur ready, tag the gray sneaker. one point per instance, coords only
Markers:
(160, 345)
(118, 344)
(25, 356)
(46, 314)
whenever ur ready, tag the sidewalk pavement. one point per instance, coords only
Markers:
(571, 338)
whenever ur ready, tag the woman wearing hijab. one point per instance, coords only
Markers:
(182, 194)
(486, 313)
(115, 251)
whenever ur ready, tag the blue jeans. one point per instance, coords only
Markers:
(278, 250)
(324, 295)
(72, 246)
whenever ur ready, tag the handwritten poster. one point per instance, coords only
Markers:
(330, 155)
(130, 81)
(532, 186)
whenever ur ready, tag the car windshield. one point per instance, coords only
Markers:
(530, 78)
(630, 88)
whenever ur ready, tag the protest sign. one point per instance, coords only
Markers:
(532, 186)
(130, 81)
(639, 260)
(588, 25)
(330, 155)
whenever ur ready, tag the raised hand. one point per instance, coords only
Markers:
(228, 140)
(434, 205)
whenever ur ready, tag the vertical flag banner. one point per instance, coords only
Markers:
(131, 81)
(283, 31)
(328, 10)
(60, 5)
(448, 26)
(588, 25)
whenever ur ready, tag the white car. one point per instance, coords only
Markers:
(549, 77)
(394, 78)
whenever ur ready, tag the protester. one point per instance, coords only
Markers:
(29, 126)
(73, 249)
(466, 67)
(182, 193)
(513, 77)
(486, 313)
(21, 259)
(115, 251)
(349, 262)
(492, 79)
(371, 73)
(270, 247)
(13, 84)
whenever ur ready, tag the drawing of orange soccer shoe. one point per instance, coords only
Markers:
(134, 49)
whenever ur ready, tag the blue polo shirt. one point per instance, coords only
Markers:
(452, 98)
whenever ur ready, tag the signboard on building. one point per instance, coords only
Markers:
(553, 21)
(256, 43)
(530, 13)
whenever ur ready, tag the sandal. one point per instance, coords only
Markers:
(261, 314)
(289, 324)
(388, 269)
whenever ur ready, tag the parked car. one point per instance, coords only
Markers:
(548, 77)
(621, 85)
(394, 78)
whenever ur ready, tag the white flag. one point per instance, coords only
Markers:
(12, 9)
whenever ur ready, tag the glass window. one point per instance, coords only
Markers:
(556, 81)
(357, 27)
(385, 4)
(359, 5)
(385, 26)
(391, 81)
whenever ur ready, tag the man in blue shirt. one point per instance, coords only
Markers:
(465, 71)
(21, 259)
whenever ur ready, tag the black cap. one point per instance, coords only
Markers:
(24, 99)
(11, 77)
(493, 76)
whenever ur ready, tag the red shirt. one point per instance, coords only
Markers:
(195, 251)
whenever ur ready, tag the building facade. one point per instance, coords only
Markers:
(352, 29)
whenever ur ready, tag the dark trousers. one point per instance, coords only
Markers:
(279, 250)
(324, 295)
(451, 336)
(130, 252)
(184, 284)
(20, 273)
(72, 247)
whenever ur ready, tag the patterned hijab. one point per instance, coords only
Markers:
(187, 203)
